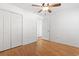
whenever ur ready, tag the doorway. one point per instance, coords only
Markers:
(43, 28)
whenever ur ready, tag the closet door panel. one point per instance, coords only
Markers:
(16, 34)
(6, 31)
(1, 31)
(14, 30)
(20, 33)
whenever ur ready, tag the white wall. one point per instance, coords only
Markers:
(29, 22)
(30, 28)
(65, 25)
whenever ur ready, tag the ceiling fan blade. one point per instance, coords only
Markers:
(36, 5)
(49, 11)
(55, 5)
(39, 11)
(43, 4)
(47, 4)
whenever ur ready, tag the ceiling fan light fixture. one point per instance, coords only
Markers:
(45, 8)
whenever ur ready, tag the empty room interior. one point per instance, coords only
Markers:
(39, 29)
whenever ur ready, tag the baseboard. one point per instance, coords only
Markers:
(72, 45)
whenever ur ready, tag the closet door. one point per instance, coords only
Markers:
(16, 30)
(46, 28)
(6, 43)
(20, 30)
(1, 31)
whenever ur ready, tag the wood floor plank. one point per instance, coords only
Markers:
(42, 48)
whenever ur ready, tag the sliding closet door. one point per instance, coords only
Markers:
(1, 31)
(20, 30)
(11, 34)
(16, 30)
(6, 19)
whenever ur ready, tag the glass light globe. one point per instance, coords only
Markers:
(45, 8)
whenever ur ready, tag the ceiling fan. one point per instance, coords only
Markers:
(47, 7)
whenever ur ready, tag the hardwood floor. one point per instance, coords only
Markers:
(42, 48)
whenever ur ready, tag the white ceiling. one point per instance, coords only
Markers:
(29, 7)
